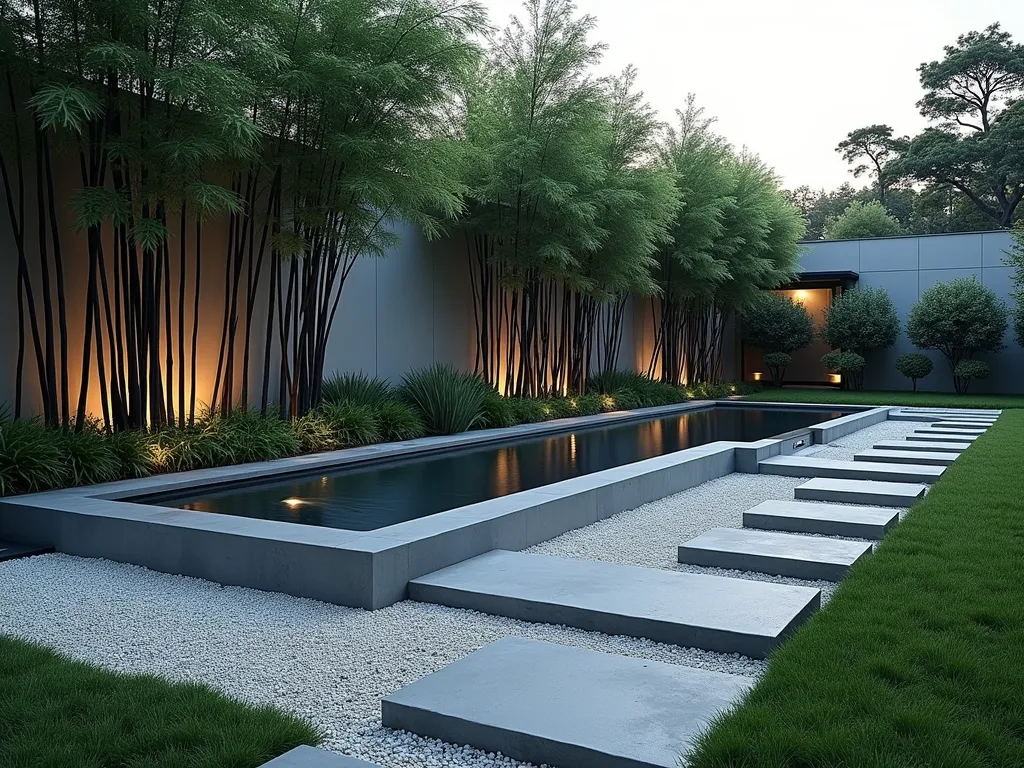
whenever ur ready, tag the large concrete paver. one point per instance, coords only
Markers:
(310, 757)
(811, 466)
(923, 445)
(825, 519)
(940, 437)
(563, 706)
(686, 609)
(871, 492)
(931, 458)
(782, 554)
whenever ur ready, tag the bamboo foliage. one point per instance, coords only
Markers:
(302, 128)
(565, 208)
(735, 236)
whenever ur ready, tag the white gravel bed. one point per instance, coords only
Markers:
(332, 665)
(650, 535)
(329, 664)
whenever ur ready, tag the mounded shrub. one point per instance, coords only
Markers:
(777, 363)
(526, 411)
(861, 320)
(357, 388)
(960, 318)
(449, 401)
(351, 423)
(635, 390)
(849, 365)
(775, 323)
(398, 421)
(587, 405)
(914, 366)
(967, 371)
(249, 436)
(497, 411)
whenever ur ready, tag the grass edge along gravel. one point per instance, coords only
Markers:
(918, 660)
(55, 711)
(868, 397)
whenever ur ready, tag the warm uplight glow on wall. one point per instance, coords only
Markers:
(800, 295)
(757, 375)
(835, 378)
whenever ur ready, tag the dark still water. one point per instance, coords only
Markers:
(374, 496)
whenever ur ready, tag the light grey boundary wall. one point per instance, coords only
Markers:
(372, 569)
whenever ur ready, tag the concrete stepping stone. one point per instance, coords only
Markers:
(965, 431)
(975, 425)
(940, 437)
(686, 609)
(557, 705)
(311, 757)
(816, 517)
(922, 445)
(781, 554)
(871, 492)
(810, 466)
(933, 458)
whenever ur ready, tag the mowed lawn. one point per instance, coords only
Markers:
(59, 713)
(910, 399)
(918, 660)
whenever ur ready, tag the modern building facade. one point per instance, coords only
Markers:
(904, 267)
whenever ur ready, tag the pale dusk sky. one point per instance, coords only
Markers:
(787, 78)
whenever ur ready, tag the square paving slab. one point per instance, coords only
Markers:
(809, 466)
(782, 554)
(871, 492)
(932, 458)
(687, 609)
(552, 704)
(827, 519)
(940, 437)
(922, 445)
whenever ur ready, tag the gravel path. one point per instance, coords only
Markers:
(332, 664)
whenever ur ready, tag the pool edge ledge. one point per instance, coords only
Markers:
(364, 570)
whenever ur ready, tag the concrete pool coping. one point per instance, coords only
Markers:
(372, 569)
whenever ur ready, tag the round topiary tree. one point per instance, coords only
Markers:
(861, 320)
(967, 371)
(960, 319)
(914, 366)
(849, 365)
(777, 363)
(776, 324)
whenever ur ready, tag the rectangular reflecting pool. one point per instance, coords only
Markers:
(379, 494)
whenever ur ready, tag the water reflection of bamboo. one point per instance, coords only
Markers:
(506, 472)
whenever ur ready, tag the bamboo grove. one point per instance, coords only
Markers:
(208, 174)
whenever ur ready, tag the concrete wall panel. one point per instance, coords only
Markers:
(886, 263)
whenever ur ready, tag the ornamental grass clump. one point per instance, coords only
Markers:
(449, 401)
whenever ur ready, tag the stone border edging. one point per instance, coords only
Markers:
(360, 569)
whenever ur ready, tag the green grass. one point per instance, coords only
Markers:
(59, 713)
(919, 658)
(879, 397)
